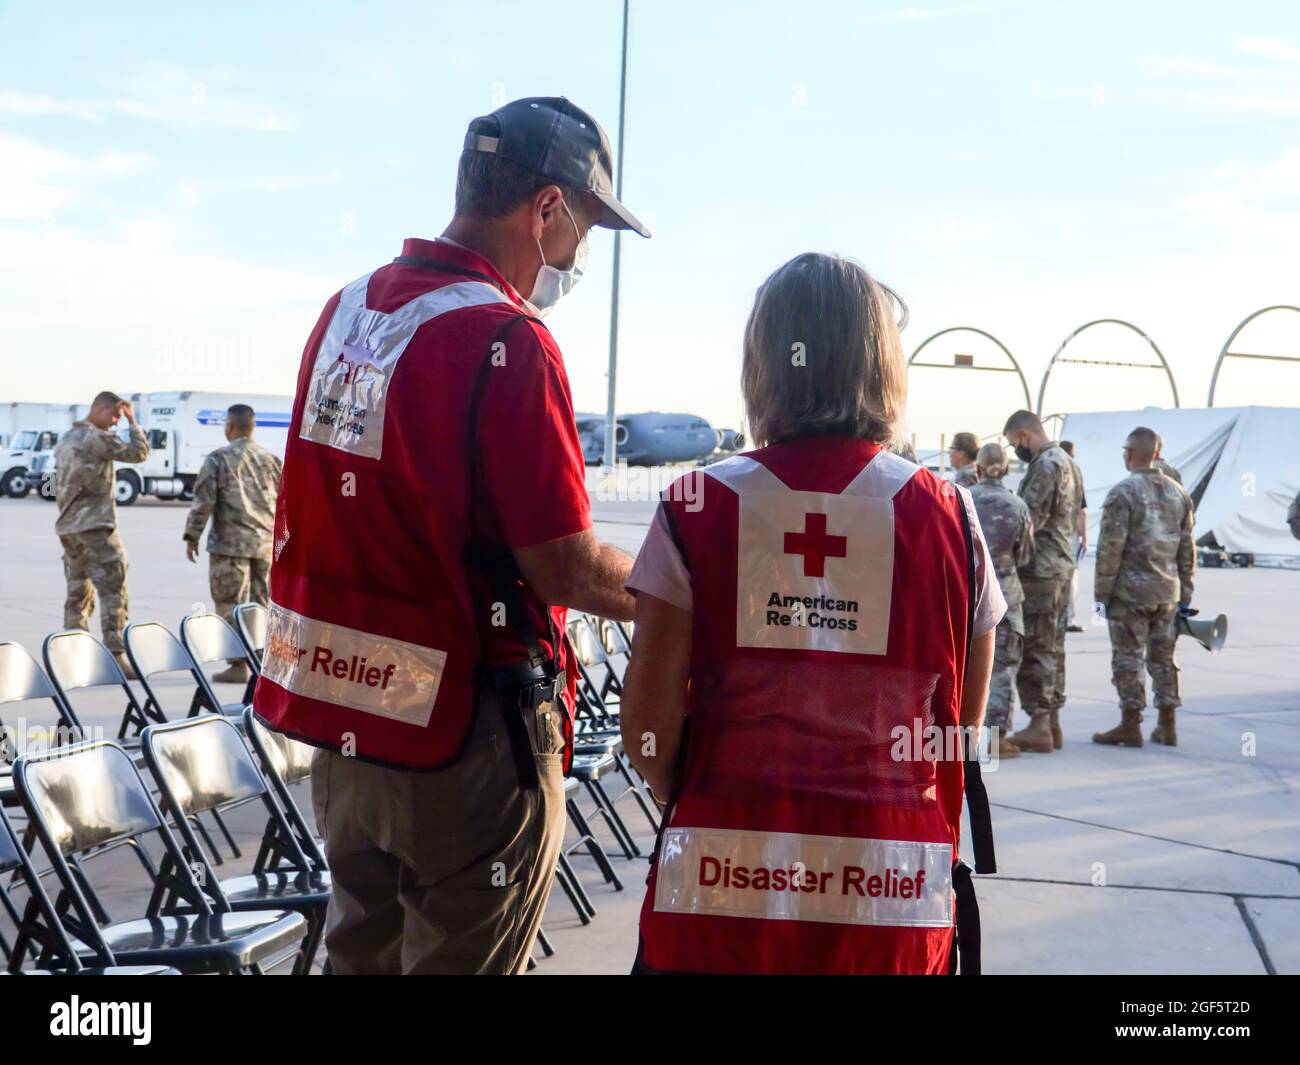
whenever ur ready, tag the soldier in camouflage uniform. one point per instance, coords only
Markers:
(94, 559)
(1009, 533)
(1053, 491)
(237, 487)
(1146, 561)
(962, 454)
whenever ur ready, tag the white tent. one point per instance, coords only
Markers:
(1241, 464)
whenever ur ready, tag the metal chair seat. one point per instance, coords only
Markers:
(202, 943)
(589, 767)
(612, 744)
(284, 890)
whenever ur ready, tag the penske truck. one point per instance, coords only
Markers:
(183, 428)
(28, 430)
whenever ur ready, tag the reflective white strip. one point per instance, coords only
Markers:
(741, 473)
(882, 477)
(348, 667)
(786, 876)
(348, 389)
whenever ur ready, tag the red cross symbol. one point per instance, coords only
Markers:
(815, 546)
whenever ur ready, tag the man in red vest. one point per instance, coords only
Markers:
(433, 524)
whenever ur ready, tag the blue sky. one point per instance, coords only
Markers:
(182, 186)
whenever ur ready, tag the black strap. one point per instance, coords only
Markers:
(519, 689)
(499, 564)
(966, 943)
(977, 798)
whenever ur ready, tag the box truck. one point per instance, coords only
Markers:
(183, 428)
(28, 430)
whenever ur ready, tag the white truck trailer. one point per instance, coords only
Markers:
(183, 428)
(27, 430)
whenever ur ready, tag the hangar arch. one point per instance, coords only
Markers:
(1161, 365)
(1225, 353)
(956, 365)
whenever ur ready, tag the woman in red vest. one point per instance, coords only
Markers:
(814, 633)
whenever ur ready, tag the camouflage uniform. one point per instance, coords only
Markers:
(1169, 471)
(1009, 534)
(1053, 491)
(1293, 517)
(967, 476)
(1146, 561)
(94, 559)
(236, 487)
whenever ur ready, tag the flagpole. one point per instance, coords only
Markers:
(610, 445)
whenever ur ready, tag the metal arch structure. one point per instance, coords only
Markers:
(1164, 365)
(1224, 353)
(1013, 368)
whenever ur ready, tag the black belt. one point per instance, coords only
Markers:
(523, 688)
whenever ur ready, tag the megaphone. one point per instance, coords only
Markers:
(1209, 634)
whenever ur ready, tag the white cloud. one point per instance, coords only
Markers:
(170, 95)
(36, 181)
(1269, 48)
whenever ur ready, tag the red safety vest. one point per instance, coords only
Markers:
(374, 632)
(816, 818)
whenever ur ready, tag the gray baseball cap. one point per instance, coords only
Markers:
(559, 141)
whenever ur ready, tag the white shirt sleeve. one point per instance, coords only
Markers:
(659, 569)
(990, 603)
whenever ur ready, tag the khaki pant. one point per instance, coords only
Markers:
(445, 871)
(234, 580)
(95, 561)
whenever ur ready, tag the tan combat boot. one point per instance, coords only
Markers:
(1128, 733)
(235, 673)
(1165, 732)
(1057, 737)
(124, 664)
(1037, 735)
(1006, 749)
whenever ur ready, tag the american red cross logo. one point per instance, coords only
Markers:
(815, 546)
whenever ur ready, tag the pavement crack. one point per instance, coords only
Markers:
(1149, 835)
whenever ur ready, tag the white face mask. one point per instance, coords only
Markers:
(552, 284)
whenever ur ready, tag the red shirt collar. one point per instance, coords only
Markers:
(455, 255)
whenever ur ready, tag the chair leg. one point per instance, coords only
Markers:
(588, 839)
(606, 810)
(547, 950)
(637, 794)
(234, 847)
(578, 889)
(567, 886)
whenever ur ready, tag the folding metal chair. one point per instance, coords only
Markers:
(250, 627)
(201, 765)
(286, 762)
(209, 638)
(74, 660)
(152, 650)
(40, 935)
(88, 800)
(21, 681)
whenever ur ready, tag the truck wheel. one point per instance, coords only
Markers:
(15, 483)
(127, 489)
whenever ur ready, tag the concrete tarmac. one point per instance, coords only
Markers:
(1158, 860)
